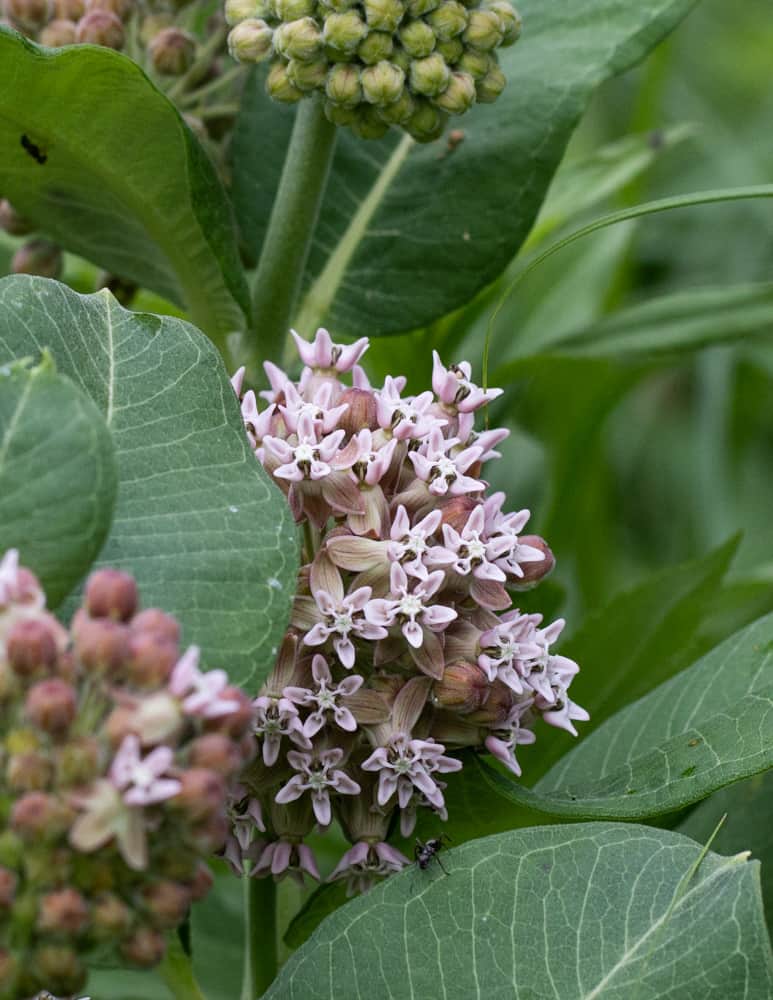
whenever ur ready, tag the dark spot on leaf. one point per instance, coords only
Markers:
(689, 771)
(37, 154)
(657, 139)
(694, 742)
(630, 791)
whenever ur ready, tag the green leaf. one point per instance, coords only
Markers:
(588, 912)
(57, 475)
(432, 227)
(197, 520)
(707, 727)
(162, 220)
(748, 826)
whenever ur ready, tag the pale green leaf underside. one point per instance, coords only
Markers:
(124, 182)
(57, 476)
(587, 912)
(198, 522)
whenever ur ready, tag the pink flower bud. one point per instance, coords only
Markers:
(172, 51)
(121, 8)
(8, 882)
(51, 706)
(362, 412)
(202, 793)
(102, 645)
(31, 647)
(28, 772)
(29, 14)
(151, 660)
(121, 722)
(157, 623)
(167, 903)
(216, 752)
(69, 10)
(63, 912)
(534, 572)
(496, 707)
(110, 916)
(12, 222)
(40, 257)
(101, 27)
(59, 33)
(463, 688)
(37, 816)
(111, 593)
(145, 948)
(456, 511)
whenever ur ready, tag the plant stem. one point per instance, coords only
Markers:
(177, 973)
(291, 226)
(260, 950)
(194, 97)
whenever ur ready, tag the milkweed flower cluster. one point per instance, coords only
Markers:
(378, 63)
(118, 758)
(403, 644)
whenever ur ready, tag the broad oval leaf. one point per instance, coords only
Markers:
(207, 535)
(431, 227)
(57, 475)
(588, 912)
(707, 727)
(79, 167)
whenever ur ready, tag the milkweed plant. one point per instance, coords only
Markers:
(295, 698)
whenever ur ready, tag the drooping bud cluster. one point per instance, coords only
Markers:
(378, 63)
(117, 757)
(403, 643)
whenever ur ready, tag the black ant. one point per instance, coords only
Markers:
(426, 853)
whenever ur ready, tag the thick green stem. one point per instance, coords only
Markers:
(177, 973)
(260, 951)
(290, 229)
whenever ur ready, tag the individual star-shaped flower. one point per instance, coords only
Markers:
(328, 699)
(318, 774)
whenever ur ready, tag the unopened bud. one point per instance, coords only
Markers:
(58, 34)
(201, 794)
(152, 621)
(172, 51)
(101, 27)
(63, 912)
(490, 86)
(416, 8)
(459, 95)
(77, 762)
(382, 84)
(31, 647)
(279, 86)
(426, 123)
(344, 32)
(102, 645)
(144, 948)
(111, 593)
(167, 903)
(245, 10)
(342, 86)
(402, 59)
(250, 41)
(361, 413)
(121, 8)
(29, 14)
(110, 917)
(448, 20)
(484, 30)
(378, 46)
(476, 63)
(59, 967)
(120, 723)
(339, 115)
(8, 882)
(511, 20)
(368, 124)
(216, 752)
(398, 112)
(10, 220)
(150, 661)
(307, 74)
(299, 39)
(417, 38)
(39, 257)
(69, 10)
(152, 24)
(28, 772)
(51, 706)
(463, 688)
(496, 707)
(294, 10)
(384, 15)
(429, 76)
(37, 816)
(451, 51)
(535, 571)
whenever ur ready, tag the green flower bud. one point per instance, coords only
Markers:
(299, 39)
(399, 111)
(476, 63)
(339, 6)
(448, 20)
(377, 46)
(511, 20)
(343, 85)
(172, 51)
(429, 76)
(384, 15)
(426, 123)
(244, 10)
(250, 41)
(344, 32)
(307, 75)
(417, 38)
(491, 85)
(382, 84)
(451, 51)
(415, 8)
(58, 33)
(401, 58)
(339, 115)
(279, 85)
(459, 95)
(294, 10)
(484, 30)
(368, 124)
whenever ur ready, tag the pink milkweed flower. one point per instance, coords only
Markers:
(454, 388)
(409, 813)
(363, 863)
(508, 526)
(257, 425)
(487, 440)
(18, 585)
(341, 617)
(323, 414)
(237, 381)
(409, 608)
(323, 355)
(310, 458)
(409, 419)
(371, 464)
(544, 669)
(506, 646)
(106, 816)
(278, 380)
(201, 693)
(318, 774)
(275, 718)
(442, 473)
(141, 781)
(410, 545)
(473, 552)
(501, 743)
(287, 857)
(405, 765)
(329, 699)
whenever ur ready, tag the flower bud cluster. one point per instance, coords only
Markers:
(403, 643)
(378, 63)
(117, 758)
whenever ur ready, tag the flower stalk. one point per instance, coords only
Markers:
(260, 954)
